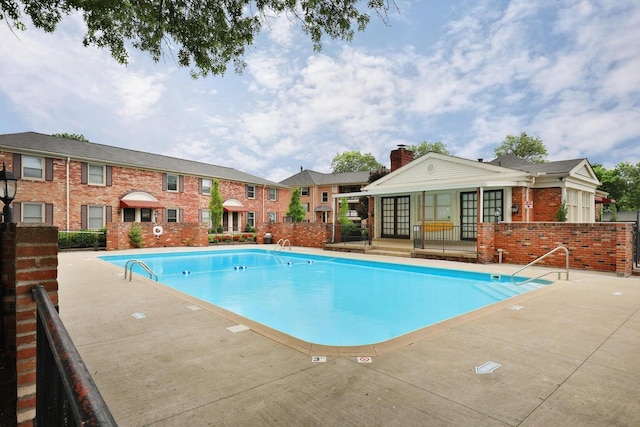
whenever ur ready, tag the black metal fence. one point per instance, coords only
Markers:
(65, 392)
(352, 233)
(445, 238)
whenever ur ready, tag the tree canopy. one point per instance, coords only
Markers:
(204, 34)
(354, 161)
(76, 136)
(622, 183)
(425, 146)
(524, 146)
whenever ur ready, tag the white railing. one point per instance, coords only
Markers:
(566, 269)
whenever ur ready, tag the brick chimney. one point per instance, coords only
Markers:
(400, 157)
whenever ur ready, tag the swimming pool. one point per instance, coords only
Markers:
(325, 300)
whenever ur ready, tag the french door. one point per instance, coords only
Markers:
(492, 200)
(395, 217)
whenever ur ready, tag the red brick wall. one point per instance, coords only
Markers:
(306, 234)
(604, 246)
(126, 180)
(29, 258)
(546, 203)
(173, 234)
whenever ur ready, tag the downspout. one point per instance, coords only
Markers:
(424, 211)
(333, 220)
(533, 181)
(264, 188)
(67, 193)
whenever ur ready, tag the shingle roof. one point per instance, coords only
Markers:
(559, 167)
(312, 178)
(52, 146)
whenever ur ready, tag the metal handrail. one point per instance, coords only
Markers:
(566, 270)
(129, 266)
(281, 244)
(66, 395)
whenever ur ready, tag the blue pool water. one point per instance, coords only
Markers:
(324, 300)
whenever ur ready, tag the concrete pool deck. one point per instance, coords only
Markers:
(569, 354)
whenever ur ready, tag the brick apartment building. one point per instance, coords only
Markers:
(77, 185)
(317, 189)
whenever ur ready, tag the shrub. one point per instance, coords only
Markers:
(82, 239)
(135, 235)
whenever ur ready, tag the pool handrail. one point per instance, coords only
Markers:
(566, 269)
(132, 262)
(281, 245)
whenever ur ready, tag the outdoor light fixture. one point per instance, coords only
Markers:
(155, 216)
(8, 187)
(497, 213)
(515, 208)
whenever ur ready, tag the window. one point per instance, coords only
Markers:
(172, 182)
(251, 191)
(172, 215)
(304, 191)
(251, 219)
(206, 186)
(436, 207)
(96, 175)
(325, 196)
(273, 194)
(32, 167)
(32, 212)
(306, 207)
(96, 217)
(205, 216)
(273, 217)
(146, 214)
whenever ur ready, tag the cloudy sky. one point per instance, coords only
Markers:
(466, 73)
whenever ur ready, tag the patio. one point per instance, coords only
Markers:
(569, 354)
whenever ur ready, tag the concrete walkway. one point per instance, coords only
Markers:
(569, 355)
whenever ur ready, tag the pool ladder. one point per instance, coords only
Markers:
(132, 262)
(565, 270)
(281, 245)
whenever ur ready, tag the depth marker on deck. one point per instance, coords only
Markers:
(319, 359)
(487, 367)
(238, 328)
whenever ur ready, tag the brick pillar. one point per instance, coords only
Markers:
(624, 249)
(486, 242)
(29, 258)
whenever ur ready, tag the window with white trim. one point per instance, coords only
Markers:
(206, 186)
(325, 197)
(172, 182)
(95, 217)
(32, 167)
(96, 174)
(251, 219)
(436, 207)
(205, 216)
(273, 217)
(172, 215)
(251, 191)
(304, 191)
(32, 212)
(273, 194)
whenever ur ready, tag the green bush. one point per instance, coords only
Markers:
(135, 235)
(82, 239)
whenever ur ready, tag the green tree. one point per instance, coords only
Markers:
(207, 34)
(296, 211)
(524, 146)
(622, 183)
(78, 136)
(343, 212)
(425, 146)
(363, 205)
(354, 161)
(216, 209)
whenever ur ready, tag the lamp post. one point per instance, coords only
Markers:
(8, 187)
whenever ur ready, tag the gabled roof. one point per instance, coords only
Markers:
(435, 171)
(564, 168)
(52, 146)
(309, 178)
